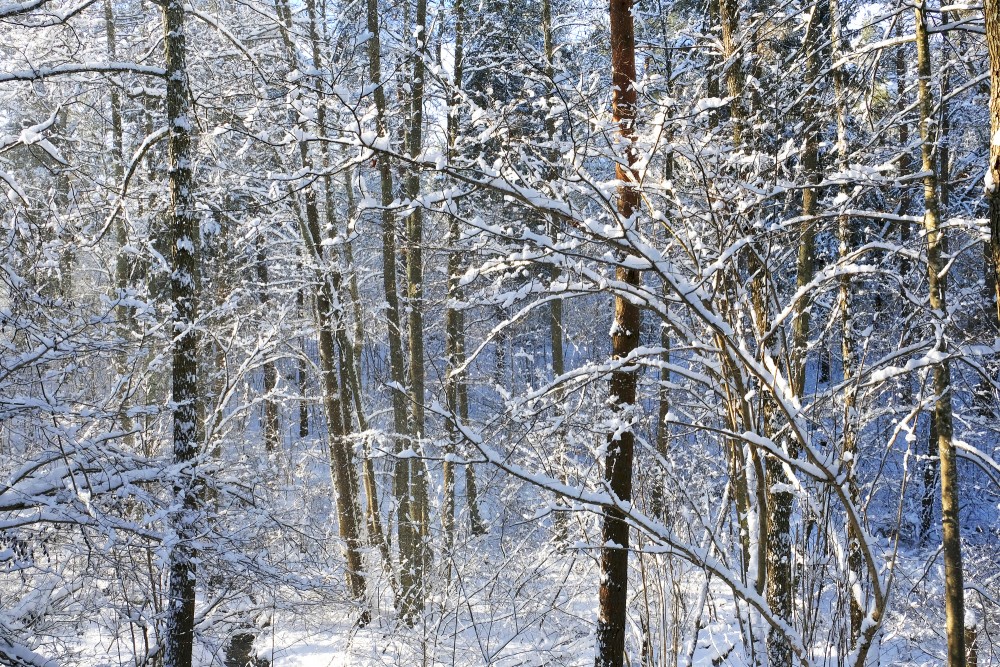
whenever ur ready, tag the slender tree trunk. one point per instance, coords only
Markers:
(419, 505)
(729, 18)
(992, 21)
(943, 140)
(613, 593)
(284, 15)
(805, 266)
(376, 535)
(329, 319)
(772, 538)
(556, 332)
(951, 533)
(397, 369)
(342, 469)
(302, 378)
(373, 516)
(555, 307)
(905, 162)
(341, 454)
(930, 481)
(359, 329)
(187, 432)
(341, 457)
(930, 468)
(123, 267)
(272, 424)
(454, 318)
(350, 381)
(712, 84)
(845, 237)
(774, 500)
(658, 499)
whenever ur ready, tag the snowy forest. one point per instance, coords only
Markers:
(648, 333)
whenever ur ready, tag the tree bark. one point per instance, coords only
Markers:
(455, 391)
(555, 305)
(397, 368)
(187, 431)
(419, 505)
(951, 533)
(845, 238)
(272, 424)
(123, 267)
(805, 264)
(658, 498)
(454, 336)
(301, 376)
(991, 17)
(342, 468)
(613, 593)
(329, 320)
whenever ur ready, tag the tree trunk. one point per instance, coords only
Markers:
(123, 267)
(272, 424)
(930, 482)
(342, 470)
(455, 392)
(729, 18)
(991, 17)
(376, 535)
(359, 329)
(805, 265)
(905, 163)
(772, 540)
(329, 319)
(397, 369)
(658, 499)
(951, 533)
(419, 505)
(613, 593)
(187, 432)
(301, 376)
(555, 305)
(845, 237)
(453, 317)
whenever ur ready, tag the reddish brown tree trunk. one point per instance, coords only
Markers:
(624, 340)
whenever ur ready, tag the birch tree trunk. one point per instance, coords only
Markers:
(613, 593)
